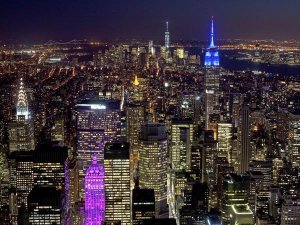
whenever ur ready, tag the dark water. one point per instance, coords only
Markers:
(228, 62)
(237, 65)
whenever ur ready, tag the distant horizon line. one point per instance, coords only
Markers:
(107, 40)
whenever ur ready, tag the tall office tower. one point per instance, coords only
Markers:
(221, 172)
(142, 205)
(117, 182)
(94, 194)
(277, 166)
(153, 147)
(43, 167)
(5, 185)
(167, 36)
(135, 117)
(290, 210)
(44, 201)
(211, 97)
(143, 59)
(151, 49)
(256, 185)
(21, 132)
(225, 141)
(197, 109)
(244, 150)
(235, 192)
(49, 166)
(265, 167)
(209, 154)
(182, 136)
(211, 85)
(212, 53)
(136, 95)
(294, 138)
(235, 109)
(21, 174)
(178, 184)
(98, 122)
(44, 206)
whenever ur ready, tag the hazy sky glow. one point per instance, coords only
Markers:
(33, 20)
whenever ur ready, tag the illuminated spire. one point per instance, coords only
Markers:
(167, 36)
(212, 44)
(136, 81)
(22, 104)
(212, 53)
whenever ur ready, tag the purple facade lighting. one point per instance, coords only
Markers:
(94, 194)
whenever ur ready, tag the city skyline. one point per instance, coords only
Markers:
(158, 131)
(34, 21)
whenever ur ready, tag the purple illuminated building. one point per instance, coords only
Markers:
(94, 194)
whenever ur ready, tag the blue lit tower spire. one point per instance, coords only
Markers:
(212, 53)
(212, 43)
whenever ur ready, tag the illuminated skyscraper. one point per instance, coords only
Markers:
(135, 117)
(151, 49)
(244, 150)
(225, 140)
(21, 132)
(294, 138)
(44, 200)
(98, 122)
(136, 94)
(288, 125)
(21, 174)
(182, 133)
(48, 166)
(167, 36)
(211, 85)
(153, 146)
(117, 182)
(212, 53)
(94, 194)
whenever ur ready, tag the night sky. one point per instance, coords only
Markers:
(35, 20)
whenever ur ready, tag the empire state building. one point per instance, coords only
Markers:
(212, 53)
